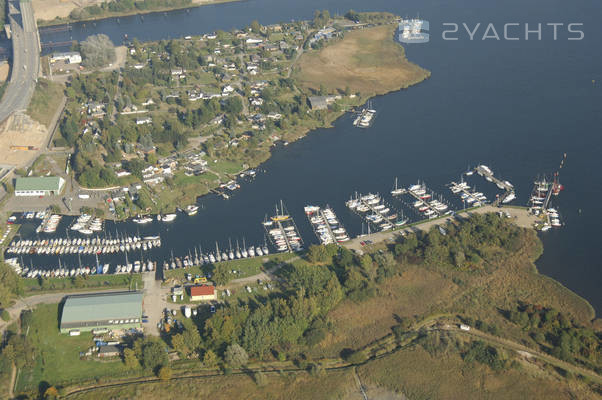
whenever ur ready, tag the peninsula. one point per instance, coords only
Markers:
(182, 118)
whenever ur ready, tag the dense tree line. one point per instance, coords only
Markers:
(461, 245)
(558, 334)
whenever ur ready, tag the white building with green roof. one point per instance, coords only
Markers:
(113, 310)
(39, 186)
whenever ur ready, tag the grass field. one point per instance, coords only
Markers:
(331, 385)
(368, 61)
(420, 375)
(45, 100)
(244, 267)
(33, 286)
(58, 354)
(424, 290)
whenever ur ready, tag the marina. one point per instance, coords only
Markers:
(280, 229)
(326, 225)
(365, 118)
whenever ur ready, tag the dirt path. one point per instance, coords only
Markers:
(526, 351)
(519, 216)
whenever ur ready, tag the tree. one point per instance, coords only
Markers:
(164, 373)
(255, 27)
(177, 342)
(153, 355)
(129, 359)
(97, 51)
(210, 360)
(236, 356)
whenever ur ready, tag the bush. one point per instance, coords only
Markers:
(5, 315)
(236, 356)
(357, 357)
(164, 373)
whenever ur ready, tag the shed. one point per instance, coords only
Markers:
(110, 350)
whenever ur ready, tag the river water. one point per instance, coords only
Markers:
(516, 106)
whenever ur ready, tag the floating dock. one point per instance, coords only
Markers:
(283, 232)
(424, 201)
(506, 186)
(326, 225)
(373, 210)
(473, 198)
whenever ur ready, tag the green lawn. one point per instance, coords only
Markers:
(33, 286)
(244, 267)
(58, 360)
(226, 167)
(46, 98)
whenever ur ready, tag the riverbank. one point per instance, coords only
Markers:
(56, 12)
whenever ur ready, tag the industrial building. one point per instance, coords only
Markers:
(70, 57)
(203, 293)
(114, 310)
(39, 186)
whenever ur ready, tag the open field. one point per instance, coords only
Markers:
(420, 375)
(58, 356)
(45, 101)
(33, 286)
(428, 290)
(368, 61)
(20, 130)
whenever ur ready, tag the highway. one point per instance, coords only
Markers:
(26, 59)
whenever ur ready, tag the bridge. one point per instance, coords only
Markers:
(25, 60)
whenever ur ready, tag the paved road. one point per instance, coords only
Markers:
(26, 59)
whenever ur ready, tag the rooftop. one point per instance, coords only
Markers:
(101, 306)
(202, 290)
(38, 183)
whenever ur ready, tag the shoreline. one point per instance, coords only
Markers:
(70, 21)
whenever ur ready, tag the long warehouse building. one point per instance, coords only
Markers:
(115, 310)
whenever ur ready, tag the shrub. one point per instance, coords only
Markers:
(5, 315)
(164, 373)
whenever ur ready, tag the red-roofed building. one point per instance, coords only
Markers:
(203, 293)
